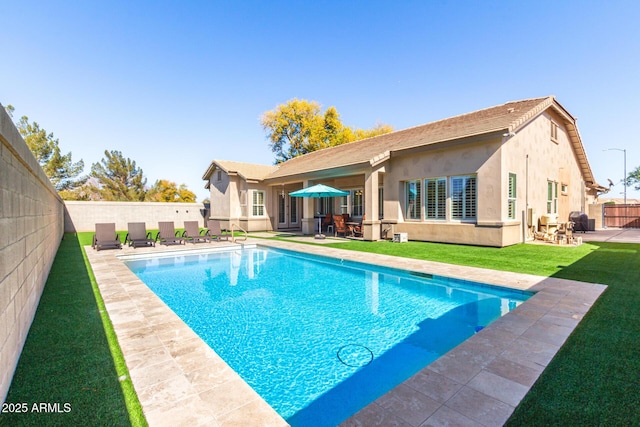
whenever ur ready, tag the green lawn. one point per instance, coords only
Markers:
(593, 380)
(71, 355)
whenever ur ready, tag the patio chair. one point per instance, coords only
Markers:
(214, 231)
(167, 234)
(106, 237)
(327, 223)
(341, 228)
(192, 233)
(138, 236)
(356, 230)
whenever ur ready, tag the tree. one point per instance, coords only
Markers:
(119, 179)
(634, 178)
(378, 129)
(298, 127)
(63, 173)
(167, 191)
(290, 128)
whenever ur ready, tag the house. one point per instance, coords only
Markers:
(481, 178)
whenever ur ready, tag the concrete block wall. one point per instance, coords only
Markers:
(83, 216)
(31, 228)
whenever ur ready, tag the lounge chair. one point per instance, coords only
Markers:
(138, 236)
(167, 234)
(192, 233)
(106, 237)
(214, 231)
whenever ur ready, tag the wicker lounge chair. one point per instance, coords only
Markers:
(138, 236)
(106, 237)
(167, 234)
(192, 233)
(214, 231)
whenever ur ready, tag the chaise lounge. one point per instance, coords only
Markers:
(106, 237)
(167, 234)
(192, 233)
(138, 236)
(214, 231)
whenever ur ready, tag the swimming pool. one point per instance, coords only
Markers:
(320, 338)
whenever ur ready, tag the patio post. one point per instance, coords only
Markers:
(308, 221)
(371, 225)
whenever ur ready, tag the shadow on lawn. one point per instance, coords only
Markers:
(593, 379)
(66, 374)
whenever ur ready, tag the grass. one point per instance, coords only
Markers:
(592, 380)
(71, 355)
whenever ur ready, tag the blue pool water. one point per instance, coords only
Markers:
(320, 338)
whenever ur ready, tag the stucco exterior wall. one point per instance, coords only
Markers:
(219, 189)
(83, 216)
(536, 159)
(31, 228)
(480, 158)
(231, 198)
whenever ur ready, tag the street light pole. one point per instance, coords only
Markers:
(624, 179)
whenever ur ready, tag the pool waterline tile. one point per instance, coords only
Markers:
(207, 380)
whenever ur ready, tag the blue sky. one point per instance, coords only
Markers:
(175, 84)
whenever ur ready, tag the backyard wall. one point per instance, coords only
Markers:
(83, 216)
(31, 227)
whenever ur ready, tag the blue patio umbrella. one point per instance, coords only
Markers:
(317, 191)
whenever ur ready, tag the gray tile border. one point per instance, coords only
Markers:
(180, 380)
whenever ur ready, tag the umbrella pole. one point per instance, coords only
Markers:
(319, 235)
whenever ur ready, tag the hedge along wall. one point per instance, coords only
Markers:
(31, 228)
(83, 216)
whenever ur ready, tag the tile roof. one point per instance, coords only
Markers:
(506, 117)
(249, 171)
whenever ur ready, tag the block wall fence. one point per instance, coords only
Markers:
(83, 216)
(31, 228)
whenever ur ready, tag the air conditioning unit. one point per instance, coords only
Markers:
(400, 237)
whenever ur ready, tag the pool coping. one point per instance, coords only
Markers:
(180, 380)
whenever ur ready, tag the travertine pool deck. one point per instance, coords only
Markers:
(181, 381)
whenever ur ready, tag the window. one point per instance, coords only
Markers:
(380, 202)
(344, 204)
(257, 205)
(554, 131)
(436, 203)
(219, 176)
(325, 205)
(511, 202)
(552, 197)
(463, 197)
(357, 207)
(413, 199)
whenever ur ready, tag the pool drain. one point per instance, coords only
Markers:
(355, 355)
